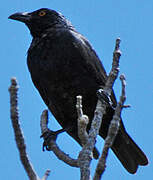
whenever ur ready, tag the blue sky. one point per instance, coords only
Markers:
(101, 22)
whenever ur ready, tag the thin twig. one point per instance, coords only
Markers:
(52, 146)
(112, 132)
(115, 67)
(18, 132)
(83, 121)
(47, 173)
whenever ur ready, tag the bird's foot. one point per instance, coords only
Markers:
(48, 136)
(104, 97)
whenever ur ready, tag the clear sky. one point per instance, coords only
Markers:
(101, 22)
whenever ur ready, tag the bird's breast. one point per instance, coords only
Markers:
(57, 64)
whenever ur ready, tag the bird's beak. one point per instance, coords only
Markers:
(23, 17)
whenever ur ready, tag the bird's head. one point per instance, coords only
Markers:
(40, 20)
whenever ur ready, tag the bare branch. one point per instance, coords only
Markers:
(85, 154)
(79, 106)
(52, 146)
(47, 173)
(126, 106)
(112, 132)
(115, 67)
(83, 135)
(83, 121)
(18, 132)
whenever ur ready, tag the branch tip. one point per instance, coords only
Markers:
(122, 77)
(47, 173)
(118, 41)
(126, 106)
(14, 85)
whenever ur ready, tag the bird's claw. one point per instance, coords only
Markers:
(48, 136)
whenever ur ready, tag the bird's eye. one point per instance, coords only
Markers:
(42, 13)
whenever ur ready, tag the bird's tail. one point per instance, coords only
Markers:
(128, 152)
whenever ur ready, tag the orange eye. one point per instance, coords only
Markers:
(42, 13)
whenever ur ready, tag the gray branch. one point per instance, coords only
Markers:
(83, 121)
(115, 67)
(108, 88)
(19, 138)
(112, 132)
(47, 173)
(85, 154)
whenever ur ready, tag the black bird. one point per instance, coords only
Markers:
(63, 65)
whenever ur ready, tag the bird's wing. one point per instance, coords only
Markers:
(91, 61)
(89, 55)
(42, 87)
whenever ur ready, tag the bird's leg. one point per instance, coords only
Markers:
(50, 135)
(104, 97)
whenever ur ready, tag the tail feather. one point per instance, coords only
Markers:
(128, 152)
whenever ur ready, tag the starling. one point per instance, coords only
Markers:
(63, 64)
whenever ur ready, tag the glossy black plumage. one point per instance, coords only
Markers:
(63, 65)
